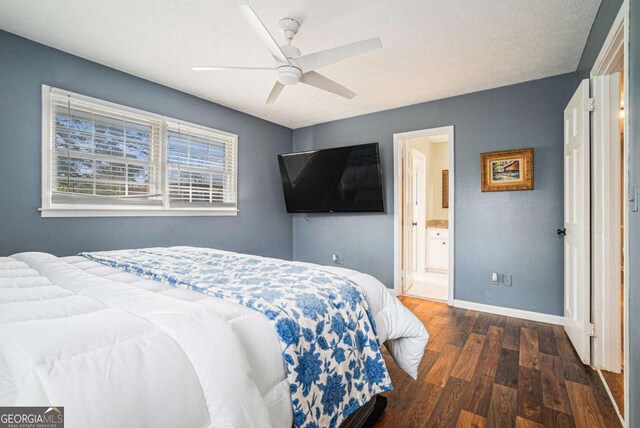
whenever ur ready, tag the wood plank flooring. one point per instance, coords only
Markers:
(615, 381)
(484, 370)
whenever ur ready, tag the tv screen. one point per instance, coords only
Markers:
(343, 179)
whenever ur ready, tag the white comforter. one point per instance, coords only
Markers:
(119, 350)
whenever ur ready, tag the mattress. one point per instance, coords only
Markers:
(183, 357)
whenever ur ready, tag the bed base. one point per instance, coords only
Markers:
(367, 415)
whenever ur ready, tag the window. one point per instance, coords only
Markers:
(103, 159)
(200, 167)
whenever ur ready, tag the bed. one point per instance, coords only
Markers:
(189, 337)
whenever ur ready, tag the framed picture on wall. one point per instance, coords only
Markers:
(507, 170)
(445, 188)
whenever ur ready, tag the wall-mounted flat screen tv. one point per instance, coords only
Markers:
(341, 179)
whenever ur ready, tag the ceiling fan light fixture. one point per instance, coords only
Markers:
(288, 75)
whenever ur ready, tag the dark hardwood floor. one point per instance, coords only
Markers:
(484, 370)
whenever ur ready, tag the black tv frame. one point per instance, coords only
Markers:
(382, 193)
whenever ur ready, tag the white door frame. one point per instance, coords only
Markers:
(399, 143)
(614, 50)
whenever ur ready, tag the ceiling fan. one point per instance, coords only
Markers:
(291, 67)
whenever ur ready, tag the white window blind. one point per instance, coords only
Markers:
(103, 156)
(200, 166)
(103, 159)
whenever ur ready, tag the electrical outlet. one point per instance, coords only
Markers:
(337, 259)
(507, 280)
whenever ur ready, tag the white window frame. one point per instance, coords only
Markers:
(49, 209)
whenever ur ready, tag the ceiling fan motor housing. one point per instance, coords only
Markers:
(289, 74)
(290, 51)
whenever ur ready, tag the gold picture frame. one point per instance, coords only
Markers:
(507, 170)
(445, 188)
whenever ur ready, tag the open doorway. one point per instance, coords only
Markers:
(423, 216)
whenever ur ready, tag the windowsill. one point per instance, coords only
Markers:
(135, 212)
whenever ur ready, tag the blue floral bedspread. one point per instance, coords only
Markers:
(326, 330)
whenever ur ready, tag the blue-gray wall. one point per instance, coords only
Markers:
(509, 232)
(261, 227)
(632, 108)
(599, 30)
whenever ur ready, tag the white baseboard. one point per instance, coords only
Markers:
(509, 312)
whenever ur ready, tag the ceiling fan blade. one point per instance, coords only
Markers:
(275, 92)
(264, 34)
(320, 59)
(230, 67)
(319, 81)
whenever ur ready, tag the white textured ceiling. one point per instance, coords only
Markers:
(432, 48)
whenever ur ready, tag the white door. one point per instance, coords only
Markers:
(577, 262)
(408, 259)
(419, 166)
